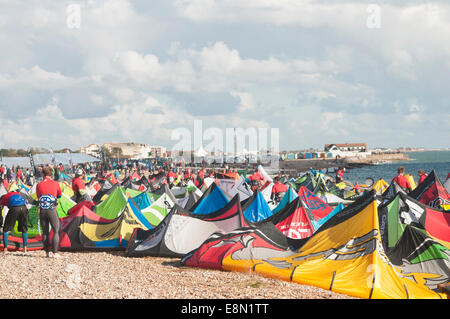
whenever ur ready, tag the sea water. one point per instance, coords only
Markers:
(427, 161)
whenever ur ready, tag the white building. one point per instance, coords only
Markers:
(347, 150)
(91, 149)
(131, 150)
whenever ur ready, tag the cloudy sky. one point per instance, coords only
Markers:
(79, 72)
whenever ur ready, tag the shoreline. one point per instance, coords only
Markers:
(295, 166)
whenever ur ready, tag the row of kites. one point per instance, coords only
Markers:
(382, 244)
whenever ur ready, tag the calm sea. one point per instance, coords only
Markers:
(437, 160)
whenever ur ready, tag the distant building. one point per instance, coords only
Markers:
(161, 151)
(347, 149)
(91, 149)
(134, 150)
(130, 150)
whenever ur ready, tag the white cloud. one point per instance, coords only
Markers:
(295, 63)
(247, 101)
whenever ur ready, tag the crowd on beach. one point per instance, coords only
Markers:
(48, 189)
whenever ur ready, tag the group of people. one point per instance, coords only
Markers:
(47, 191)
(400, 179)
(403, 182)
(16, 173)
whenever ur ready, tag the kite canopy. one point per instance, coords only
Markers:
(189, 200)
(240, 187)
(106, 189)
(15, 243)
(255, 209)
(403, 210)
(158, 210)
(212, 199)
(113, 205)
(182, 231)
(416, 252)
(431, 192)
(85, 230)
(286, 200)
(447, 183)
(345, 255)
(380, 186)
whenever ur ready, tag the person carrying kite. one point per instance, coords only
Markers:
(401, 180)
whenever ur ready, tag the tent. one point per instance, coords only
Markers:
(200, 152)
(182, 231)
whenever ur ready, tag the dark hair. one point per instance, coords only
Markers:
(401, 169)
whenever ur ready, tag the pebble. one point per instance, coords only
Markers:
(103, 275)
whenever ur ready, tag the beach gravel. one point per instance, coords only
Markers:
(111, 275)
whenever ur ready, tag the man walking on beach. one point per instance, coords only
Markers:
(48, 191)
(401, 180)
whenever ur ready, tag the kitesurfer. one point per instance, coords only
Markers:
(48, 191)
